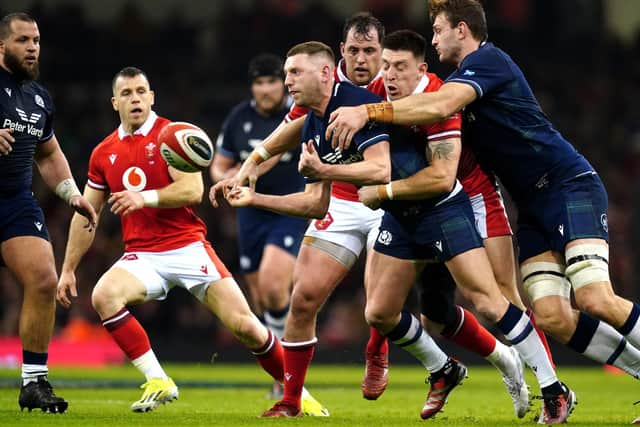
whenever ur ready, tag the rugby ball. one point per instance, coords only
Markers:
(185, 147)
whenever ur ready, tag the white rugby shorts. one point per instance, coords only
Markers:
(349, 224)
(192, 267)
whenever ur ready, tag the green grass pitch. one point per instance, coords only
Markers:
(233, 395)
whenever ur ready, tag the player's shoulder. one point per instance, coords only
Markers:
(346, 93)
(240, 111)
(377, 86)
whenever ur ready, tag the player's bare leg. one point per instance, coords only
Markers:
(115, 290)
(316, 274)
(31, 261)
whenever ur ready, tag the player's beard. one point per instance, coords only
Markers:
(20, 71)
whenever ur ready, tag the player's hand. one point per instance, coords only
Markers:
(5, 141)
(84, 208)
(248, 174)
(344, 122)
(220, 189)
(66, 288)
(310, 164)
(125, 202)
(368, 195)
(240, 197)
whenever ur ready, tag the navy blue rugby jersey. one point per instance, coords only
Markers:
(344, 95)
(243, 130)
(507, 128)
(27, 108)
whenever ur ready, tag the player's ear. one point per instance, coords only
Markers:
(114, 104)
(423, 67)
(342, 49)
(153, 97)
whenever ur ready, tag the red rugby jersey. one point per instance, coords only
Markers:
(133, 162)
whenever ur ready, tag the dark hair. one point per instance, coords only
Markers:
(406, 40)
(265, 64)
(468, 11)
(312, 48)
(128, 72)
(5, 22)
(362, 23)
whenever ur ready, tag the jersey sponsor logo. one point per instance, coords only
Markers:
(33, 118)
(22, 128)
(129, 257)
(385, 237)
(6, 89)
(38, 225)
(324, 223)
(134, 179)
(112, 158)
(605, 222)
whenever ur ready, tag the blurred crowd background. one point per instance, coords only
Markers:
(582, 58)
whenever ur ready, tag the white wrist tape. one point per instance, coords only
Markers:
(263, 152)
(150, 198)
(389, 191)
(66, 189)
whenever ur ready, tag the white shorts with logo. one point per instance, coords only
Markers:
(192, 267)
(349, 224)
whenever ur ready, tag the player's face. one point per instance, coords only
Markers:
(445, 40)
(362, 56)
(401, 72)
(268, 92)
(303, 79)
(132, 99)
(20, 51)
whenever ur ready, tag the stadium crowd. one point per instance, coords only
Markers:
(199, 72)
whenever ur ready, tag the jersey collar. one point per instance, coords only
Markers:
(142, 130)
(342, 77)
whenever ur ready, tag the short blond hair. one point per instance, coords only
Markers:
(313, 48)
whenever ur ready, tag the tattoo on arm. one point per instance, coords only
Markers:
(440, 150)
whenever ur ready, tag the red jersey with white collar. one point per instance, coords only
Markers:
(133, 162)
(341, 190)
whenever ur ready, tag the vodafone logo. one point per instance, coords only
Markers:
(134, 179)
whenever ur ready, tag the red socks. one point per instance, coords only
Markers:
(128, 333)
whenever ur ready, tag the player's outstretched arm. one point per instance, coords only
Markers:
(313, 202)
(437, 178)
(78, 243)
(55, 172)
(374, 169)
(419, 109)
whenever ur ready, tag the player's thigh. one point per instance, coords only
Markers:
(389, 280)
(437, 294)
(315, 276)
(30, 259)
(225, 299)
(118, 287)
(276, 267)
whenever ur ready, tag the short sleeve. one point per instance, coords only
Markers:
(96, 178)
(484, 70)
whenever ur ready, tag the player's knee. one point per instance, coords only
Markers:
(102, 299)
(377, 316)
(587, 264)
(304, 303)
(42, 282)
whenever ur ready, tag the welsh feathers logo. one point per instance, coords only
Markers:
(134, 179)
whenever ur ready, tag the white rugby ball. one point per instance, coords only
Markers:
(185, 147)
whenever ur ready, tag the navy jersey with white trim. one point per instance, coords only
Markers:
(243, 130)
(344, 95)
(508, 130)
(27, 108)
